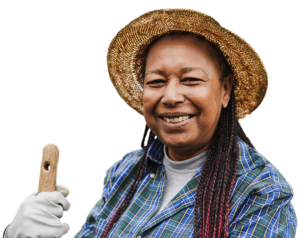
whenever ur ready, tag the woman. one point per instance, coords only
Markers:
(198, 174)
(201, 177)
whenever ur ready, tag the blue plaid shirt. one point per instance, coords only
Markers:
(260, 204)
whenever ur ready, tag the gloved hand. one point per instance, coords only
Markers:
(38, 216)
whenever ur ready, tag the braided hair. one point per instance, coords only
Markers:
(218, 176)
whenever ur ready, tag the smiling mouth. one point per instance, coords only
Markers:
(176, 119)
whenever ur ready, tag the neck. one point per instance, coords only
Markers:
(180, 154)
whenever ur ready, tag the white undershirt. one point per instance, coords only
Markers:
(178, 174)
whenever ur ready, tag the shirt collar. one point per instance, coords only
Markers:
(155, 152)
(249, 158)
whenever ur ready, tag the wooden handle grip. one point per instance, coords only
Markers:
(48, 169)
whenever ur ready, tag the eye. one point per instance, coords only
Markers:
(191, 79)
(156, 81)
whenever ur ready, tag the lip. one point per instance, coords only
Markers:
(175, 114)
(176, 125)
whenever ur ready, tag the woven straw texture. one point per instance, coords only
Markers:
(125, 62)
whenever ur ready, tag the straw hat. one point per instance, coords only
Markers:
(125, 55)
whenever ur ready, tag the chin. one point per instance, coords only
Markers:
(172, 141)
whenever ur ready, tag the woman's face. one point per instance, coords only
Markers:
(183, 95)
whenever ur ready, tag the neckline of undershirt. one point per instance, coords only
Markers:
(187, 166)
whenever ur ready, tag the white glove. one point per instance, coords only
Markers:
(38, 216)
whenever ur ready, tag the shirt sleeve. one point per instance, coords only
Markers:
(266, 211)
(88, 230)
(5, 235)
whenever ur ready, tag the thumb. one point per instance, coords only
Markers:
(64, 228)
(63, 190)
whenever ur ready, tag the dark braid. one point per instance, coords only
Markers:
(144, 137)
(218, 176)
(134, 185)
(233, 163)
(212, 178)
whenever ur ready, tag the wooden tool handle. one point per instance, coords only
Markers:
(48, 169)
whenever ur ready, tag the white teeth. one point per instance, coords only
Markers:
(176, 119)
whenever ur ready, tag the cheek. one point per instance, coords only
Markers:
(150, 99)
(147, 102)
(201, 97)
(208, 102)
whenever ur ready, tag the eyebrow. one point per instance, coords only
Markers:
(182, 71)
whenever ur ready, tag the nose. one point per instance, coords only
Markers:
(172, 94)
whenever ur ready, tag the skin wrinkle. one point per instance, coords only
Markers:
(182, 71)
(227, 159)
(167, 92)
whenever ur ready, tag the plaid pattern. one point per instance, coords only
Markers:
(259, 207)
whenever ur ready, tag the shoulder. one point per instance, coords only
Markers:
(123, 166)
(256, 175)
(128, 159)
(261, 198)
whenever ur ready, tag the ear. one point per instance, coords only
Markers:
(226, 90)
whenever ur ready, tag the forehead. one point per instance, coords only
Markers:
(179, 51)
(194, 44)
(184, 39)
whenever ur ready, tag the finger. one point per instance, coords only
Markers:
(63, 231)
(66, 228)
(58, 199)
(56, 211)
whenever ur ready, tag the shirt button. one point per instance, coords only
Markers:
(139, 237)
(151, 176)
